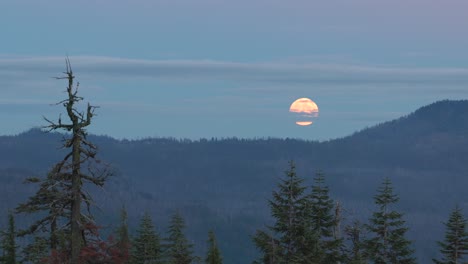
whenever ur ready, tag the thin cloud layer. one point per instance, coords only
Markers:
(13, 68)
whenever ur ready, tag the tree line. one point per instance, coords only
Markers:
(307, 224)
(307, 229)
(145, 247)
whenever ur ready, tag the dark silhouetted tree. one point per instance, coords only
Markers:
(325, 222)
(455, 245)
(179, 249)
(146, 247)
(122, 235)
(289, 240)
(355, 253)
(37, 251)
(8, 242)
(214, 255)
(269, 247)
(387, 243)
(61, 194)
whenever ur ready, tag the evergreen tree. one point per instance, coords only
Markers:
(387, 228)
(179, 249)
(455, 244)
(270, 248)
(8, 242)
(324, 223)
(146, 248)
(213, 255)
(290, 241)
(122, 235)
(293, 238)
(37, 251)
(356, 253)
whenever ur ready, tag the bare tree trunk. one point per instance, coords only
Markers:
(78, 122)
(62, 191)
(76, 228)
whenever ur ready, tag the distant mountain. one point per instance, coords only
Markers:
(225, 183)
(432, 131)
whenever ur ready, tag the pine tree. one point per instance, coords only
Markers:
(146, 247)
(270, 248)
(8, 242)
(455, 245)
(324, 223)
(387, 228)
(37, 251)
(356, 253)
(122, 235)
(179, 249)
(61, 198)
(289, 240)
(213, 255)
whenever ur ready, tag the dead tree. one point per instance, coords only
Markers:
(62, 193)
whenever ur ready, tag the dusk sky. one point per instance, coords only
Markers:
(205, 68)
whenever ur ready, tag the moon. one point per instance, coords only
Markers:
(305, 110)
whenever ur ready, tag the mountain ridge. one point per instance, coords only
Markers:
(225, 183)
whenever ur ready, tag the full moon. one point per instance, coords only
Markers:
(305, 110)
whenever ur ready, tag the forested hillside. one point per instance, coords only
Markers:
(224, 184)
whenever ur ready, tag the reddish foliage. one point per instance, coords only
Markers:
(104, 252)
(96, 251)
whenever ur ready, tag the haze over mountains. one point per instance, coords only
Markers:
(224, 184)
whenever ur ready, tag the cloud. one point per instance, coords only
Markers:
(20, 102)
(210, 70)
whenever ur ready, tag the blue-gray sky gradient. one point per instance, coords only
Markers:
(212, 68)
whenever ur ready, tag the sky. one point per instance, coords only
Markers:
(206, 68)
